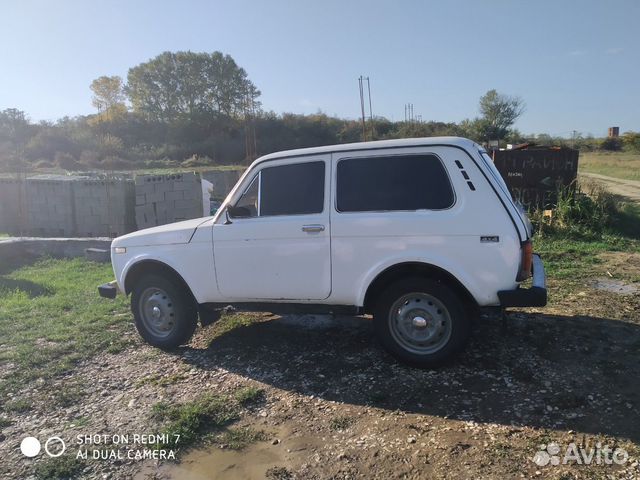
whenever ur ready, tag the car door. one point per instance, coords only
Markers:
(274, 244)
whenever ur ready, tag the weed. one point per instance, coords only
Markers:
(193, 419)
(80, 421)
(278, 473)
(341, 422)
(58, 468)
(5, 422)
(584, 213)
(18, 406)
(248, 395)
(68, 395)
(239, 438)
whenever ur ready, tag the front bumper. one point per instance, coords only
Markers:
(535, 296)
(108, 290)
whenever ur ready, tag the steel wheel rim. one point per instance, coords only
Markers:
(157, 312)
(420, 323)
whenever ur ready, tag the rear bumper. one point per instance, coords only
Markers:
(108, 290)
(535, 296)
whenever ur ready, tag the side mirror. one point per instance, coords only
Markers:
(238, 212)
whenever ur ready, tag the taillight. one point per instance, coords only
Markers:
(525, 262)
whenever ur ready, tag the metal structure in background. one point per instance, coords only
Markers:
(535, 174)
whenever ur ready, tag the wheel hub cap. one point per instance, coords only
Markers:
(420, 323)
(157, 312)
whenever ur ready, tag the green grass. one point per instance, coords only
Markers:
(19, 405)
(248, 395)
(232, 321)
(4, 235)
(618, 165)
(198, 420)
(573, 255)
(189, 422)
(239, 438)
(64, 467)
(51, 318)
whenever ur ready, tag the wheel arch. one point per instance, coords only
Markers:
(148, 266)
(416, 269)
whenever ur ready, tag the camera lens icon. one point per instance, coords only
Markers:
(31, 446)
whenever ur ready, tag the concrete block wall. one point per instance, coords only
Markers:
(104, 207)
(12, 205)
(70, 206)
(222, 180)
(162, 199)
(50, 206)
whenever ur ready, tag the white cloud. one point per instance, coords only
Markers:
(614, 51)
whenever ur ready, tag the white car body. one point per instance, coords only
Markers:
(332, 258)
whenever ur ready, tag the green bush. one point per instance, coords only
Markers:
(582, 210)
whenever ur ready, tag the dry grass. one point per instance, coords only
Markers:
(619, 165)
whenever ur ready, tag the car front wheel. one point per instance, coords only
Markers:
(165, 314)
(421, 322)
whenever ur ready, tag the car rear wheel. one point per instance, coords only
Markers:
(165, 314)
(421, 321)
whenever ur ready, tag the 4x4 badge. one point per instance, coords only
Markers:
(489, 239)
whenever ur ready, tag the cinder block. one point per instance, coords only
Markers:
(173, 196)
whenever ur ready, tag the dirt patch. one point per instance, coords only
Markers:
(618, 186)
(337, 406)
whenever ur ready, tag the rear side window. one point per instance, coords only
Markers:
(292, 189)
(402, 182)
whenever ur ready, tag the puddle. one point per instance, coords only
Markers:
(250, 463)
(614, 286)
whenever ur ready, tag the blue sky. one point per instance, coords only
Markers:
(576, 64)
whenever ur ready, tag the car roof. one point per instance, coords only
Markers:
(380, 144)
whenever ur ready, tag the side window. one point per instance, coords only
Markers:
(402, 182)
(295, 189)
(249, 199)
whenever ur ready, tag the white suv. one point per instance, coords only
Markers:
(418, 232)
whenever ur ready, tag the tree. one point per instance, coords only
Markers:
(15, 131)
(499, 112)
(631, 142)
(180, 85)
(108, 93)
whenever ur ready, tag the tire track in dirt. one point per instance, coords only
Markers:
(618, 186)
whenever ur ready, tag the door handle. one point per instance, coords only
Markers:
(313, 228)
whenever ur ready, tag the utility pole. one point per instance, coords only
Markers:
(364, 127)
(370, 109)
(249, 129)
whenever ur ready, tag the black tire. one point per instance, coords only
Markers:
(178, 314)
(421, 322)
